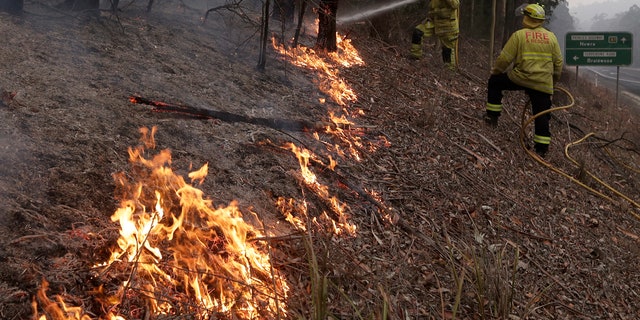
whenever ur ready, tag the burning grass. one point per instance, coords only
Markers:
(177, 253)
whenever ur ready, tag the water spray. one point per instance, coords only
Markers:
(368, 13)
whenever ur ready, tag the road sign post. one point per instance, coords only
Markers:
(599, 49)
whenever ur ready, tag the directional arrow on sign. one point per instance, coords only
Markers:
(623, 40)
(576, 58)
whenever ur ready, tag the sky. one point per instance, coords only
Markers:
(575, 3)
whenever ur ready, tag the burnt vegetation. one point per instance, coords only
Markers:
(453, 219)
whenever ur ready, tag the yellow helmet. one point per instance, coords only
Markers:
(534, 11)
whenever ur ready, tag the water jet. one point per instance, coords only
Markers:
(370, 12)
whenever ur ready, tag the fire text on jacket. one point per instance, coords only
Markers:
(537, 37)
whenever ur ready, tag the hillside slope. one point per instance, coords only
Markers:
(425, 213)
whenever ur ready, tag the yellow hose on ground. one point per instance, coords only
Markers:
(566, 152)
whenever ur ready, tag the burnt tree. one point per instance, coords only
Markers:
(264, 35)
(283, 11)
(12, 6)
(327, 40)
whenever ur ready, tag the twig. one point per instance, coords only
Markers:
(294, 236)
(481, 159)
(490, 143)
(440, 87)
(29, 237)
(525, 233)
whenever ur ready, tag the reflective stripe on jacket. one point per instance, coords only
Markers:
(536, 57)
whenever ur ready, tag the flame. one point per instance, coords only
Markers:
(55, 310)
(327, 66)
(174, 242)
(331, 83)
(291, 206)
(340, 224)
(176, 253)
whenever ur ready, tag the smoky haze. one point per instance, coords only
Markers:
(584, 14)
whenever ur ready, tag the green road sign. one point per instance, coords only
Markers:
(598, 48)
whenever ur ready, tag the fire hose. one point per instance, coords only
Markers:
(534, 156)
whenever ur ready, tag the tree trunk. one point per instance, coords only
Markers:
(475, 18)
(327, 40)
(510, 25)
(501, 23)
(80, 5)
(492, 39)
(12, 6)
(283, 10)
(303, 8)
(264, 36)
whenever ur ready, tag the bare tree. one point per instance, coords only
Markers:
(327, 40)
(264, 35)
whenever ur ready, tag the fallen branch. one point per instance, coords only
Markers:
(490, 143)
(480, 159)
(280, 124)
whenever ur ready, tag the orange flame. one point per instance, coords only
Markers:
(173, 242)
(55, 310)
(330, 82)
(289, 207)
(333, 85)
(340, 224)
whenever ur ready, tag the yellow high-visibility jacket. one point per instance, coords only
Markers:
(536, 57)
(444, 15)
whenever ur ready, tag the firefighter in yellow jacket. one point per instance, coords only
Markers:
(441, 21)
(535, 59)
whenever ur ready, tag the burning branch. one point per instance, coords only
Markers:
(279, 124)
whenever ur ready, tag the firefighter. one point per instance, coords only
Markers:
(534, 55)
(441, 21)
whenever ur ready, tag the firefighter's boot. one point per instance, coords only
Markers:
(491, 118)
(541, 149)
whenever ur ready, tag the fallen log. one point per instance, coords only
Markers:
(202, 113)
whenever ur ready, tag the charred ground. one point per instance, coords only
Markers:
(456, 194)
